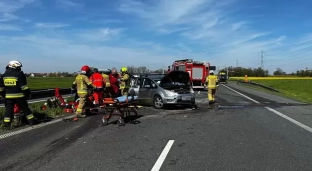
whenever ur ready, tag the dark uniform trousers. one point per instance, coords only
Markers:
(9, 109)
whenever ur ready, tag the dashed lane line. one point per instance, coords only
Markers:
(162, 156)
(274, 111)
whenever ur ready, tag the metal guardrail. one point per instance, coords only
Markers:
(37, 94)
(259, 85)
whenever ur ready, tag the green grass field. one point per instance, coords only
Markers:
(298, 88)
(49, 82)
(40, 114)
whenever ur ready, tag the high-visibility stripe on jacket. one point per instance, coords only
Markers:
(97, 80)
(13, 83)
(106, 77)
(82, 82)
(125, 81)
(212, 81)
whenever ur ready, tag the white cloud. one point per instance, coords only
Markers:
(9, 6)
(67, 3)
(210, 25)
(51, 25)
(101, 34)
(7, 17)
(7, 27)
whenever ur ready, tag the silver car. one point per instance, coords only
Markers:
(162, 90)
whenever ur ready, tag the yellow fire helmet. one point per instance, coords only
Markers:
(124, 69)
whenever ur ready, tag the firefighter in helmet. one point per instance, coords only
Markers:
(82, 84)
(213, 84)
(107, 88)
(124, 81)
(98, 81)
(13, 86)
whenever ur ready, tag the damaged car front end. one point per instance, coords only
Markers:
(172, 89)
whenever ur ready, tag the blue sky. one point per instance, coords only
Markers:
(63, 35)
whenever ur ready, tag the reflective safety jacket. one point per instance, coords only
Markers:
(124, 81)
(107, 81)
(82, 83)
(97, 80)
(212, 81)
(14, 84)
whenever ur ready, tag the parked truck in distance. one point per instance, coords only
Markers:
(222, 76)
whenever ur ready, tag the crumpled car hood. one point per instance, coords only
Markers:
(176, 79)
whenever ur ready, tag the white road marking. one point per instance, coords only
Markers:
(290, 119)
(3, 136)
(275, 111)
(242, 94)
(163, 156)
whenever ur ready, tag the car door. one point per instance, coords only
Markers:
(135, 85)
(146, 91)
(142, 99)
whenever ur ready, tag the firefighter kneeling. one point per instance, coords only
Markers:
(212, 82)
(13, 85)
(82, 84)
(124, 81)
(99, 82)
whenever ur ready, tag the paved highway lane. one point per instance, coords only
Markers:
(240, 135)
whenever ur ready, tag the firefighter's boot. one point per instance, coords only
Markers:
(30, 121)
(81, 115)
(7, 125)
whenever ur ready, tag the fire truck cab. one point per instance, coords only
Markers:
(197, 70)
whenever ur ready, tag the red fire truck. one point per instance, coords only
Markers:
(198, 70)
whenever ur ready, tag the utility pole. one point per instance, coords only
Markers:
(227, 72)
(262, 55)
(237, 63)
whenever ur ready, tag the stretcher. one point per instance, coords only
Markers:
(121, 106)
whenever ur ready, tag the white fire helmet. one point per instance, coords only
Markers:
(15, 64)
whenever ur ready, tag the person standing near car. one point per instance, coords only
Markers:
(16, 91)
(124, 81)
(114, 79)
(82, 85)
(107, 89)
(212, 82)
(98, 81)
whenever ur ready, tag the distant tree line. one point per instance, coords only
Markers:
(143, 70)
(300, 73)
(251, 72)
(55, 74)
(233, 72)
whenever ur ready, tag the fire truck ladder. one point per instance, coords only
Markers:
(184, 60)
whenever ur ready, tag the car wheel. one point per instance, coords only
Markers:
(158, 102)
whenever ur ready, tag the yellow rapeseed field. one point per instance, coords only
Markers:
(271, 78)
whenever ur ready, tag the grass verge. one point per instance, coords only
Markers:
(298, 89)
(49, 82)
(41, 115)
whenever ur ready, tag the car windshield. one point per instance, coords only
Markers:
(156, 78)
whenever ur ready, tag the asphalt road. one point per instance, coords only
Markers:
(239, 135)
